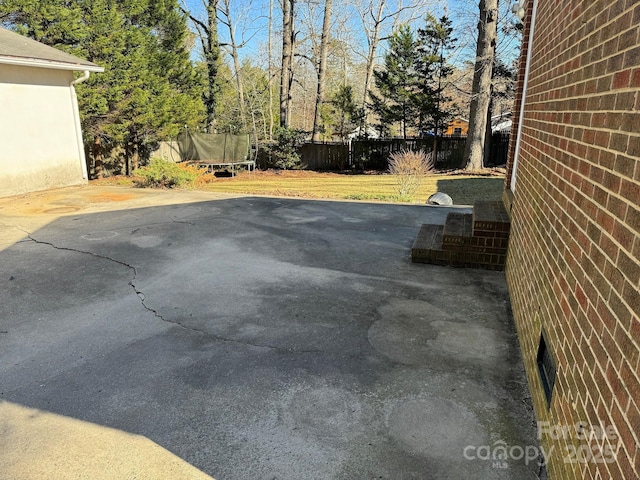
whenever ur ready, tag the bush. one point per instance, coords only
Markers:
(165, 174)
(284, 152)
(409, 169)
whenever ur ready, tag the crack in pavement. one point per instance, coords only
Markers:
(143, 297)
(181, 221)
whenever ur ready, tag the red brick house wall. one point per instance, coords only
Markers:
(573, 266)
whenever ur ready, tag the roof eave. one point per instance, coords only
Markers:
(39, 63)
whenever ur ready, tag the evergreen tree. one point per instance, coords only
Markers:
(349, 115)
(435, 42)
(397, 83)
(413, 85)
(56, 23)
(162, 88)
(149, 89)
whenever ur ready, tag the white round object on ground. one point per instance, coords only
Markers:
(439, 198)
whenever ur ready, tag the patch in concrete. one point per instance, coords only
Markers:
(413, 332)
(468, 341)
(98, 236)
(111, 197)
(147, 241)
(351, 220)
(403, 331)
(195, 211)
(58, 210)
(326, 413)
(300, 214)
(434, 427)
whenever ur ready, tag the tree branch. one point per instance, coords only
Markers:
(197, 22)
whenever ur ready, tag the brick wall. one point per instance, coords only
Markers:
(573, 265)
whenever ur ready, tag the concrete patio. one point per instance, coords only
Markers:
(162, 334)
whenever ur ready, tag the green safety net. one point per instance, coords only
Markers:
(214, 147)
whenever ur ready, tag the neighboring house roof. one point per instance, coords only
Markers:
(501, 116)
(369, 130)
(17, 49)
(501, 123)
(504, 127)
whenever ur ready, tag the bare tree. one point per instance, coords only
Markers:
(322, 69)
(318, 59)
(270, 69)
(286, 72)
(207, 31)
(227, 20)
(481, 88)
(379, 18)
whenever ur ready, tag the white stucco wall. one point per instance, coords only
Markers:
(38, 140)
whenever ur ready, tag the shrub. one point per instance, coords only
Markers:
(284, 152)
(409, 168)
(165, 174)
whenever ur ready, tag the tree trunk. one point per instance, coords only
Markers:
(235, 56)
(207, 31)
(236, 67)
(404, 122)
(286, 73)
(135, 157)
(481, 90)
(270, 72)
(97, 157)
(434, 151)
(212, 57)
(371, 59)
(322, 69)
(127, 159)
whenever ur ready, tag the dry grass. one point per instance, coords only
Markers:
(409, 169)
(464, 189)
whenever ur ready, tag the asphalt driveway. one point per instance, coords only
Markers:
(249, 338)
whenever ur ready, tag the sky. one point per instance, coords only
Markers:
(252, 18)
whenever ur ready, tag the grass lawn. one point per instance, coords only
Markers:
(464, 189)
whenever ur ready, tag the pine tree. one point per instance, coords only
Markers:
(398, 82)
(56, 23)
(435, 42)
(149, 89)
(349, 115)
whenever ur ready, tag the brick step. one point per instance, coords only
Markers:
(428, 240)
(457, 236)
(457, 228)
(490, 219)
(428, 248)
(480, 245)
(472, 249)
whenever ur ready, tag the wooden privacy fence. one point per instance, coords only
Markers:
(325, 156)
(499, 150)
(373, 154)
